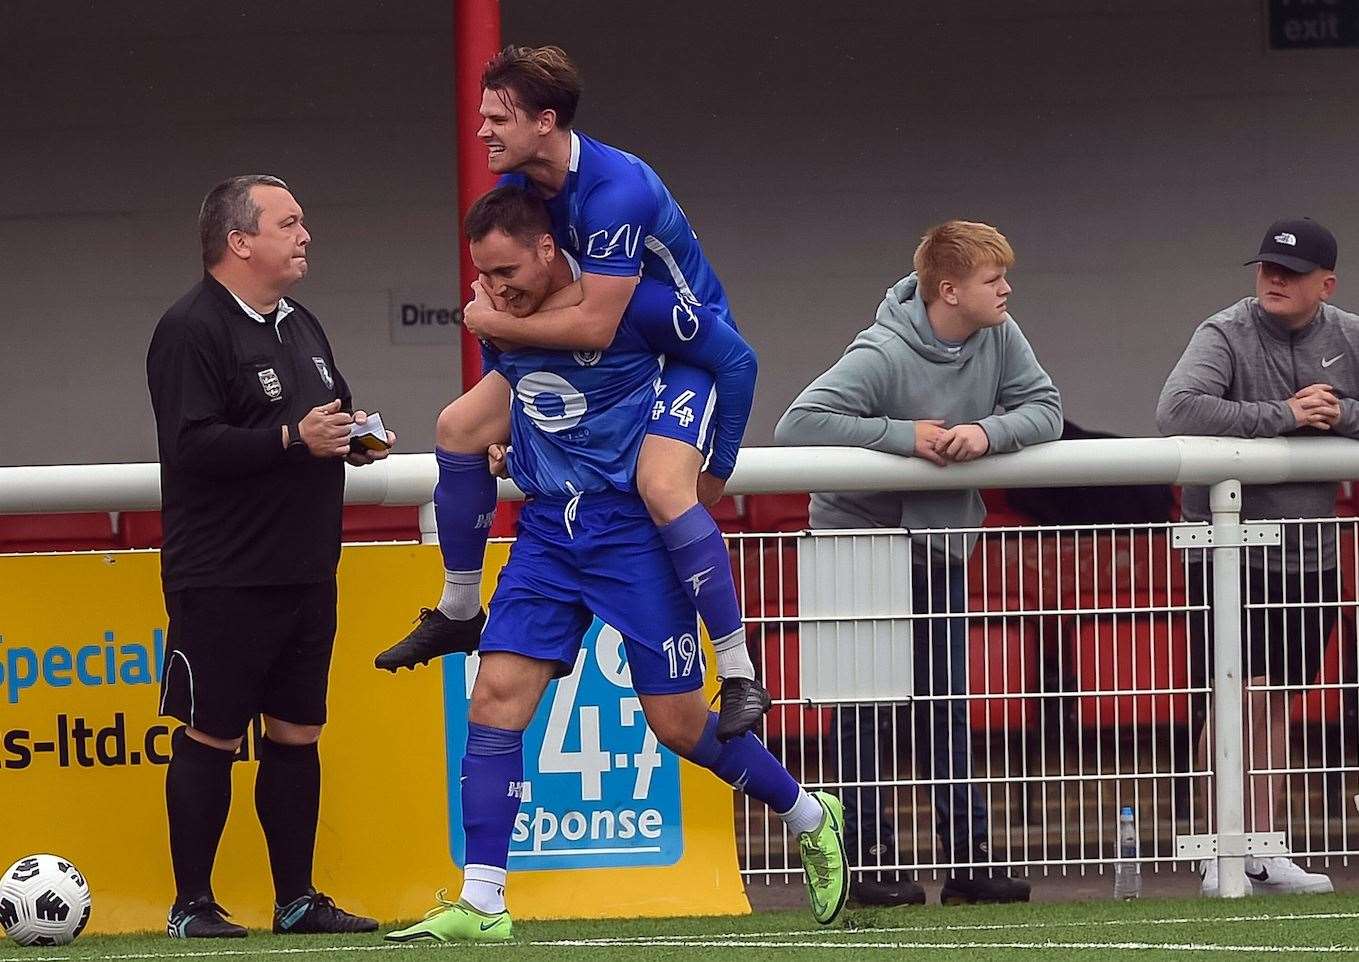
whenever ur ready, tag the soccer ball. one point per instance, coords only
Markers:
(44, 900)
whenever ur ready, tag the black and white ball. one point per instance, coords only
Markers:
(44, 900)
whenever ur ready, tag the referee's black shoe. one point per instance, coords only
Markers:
(435, 635)
(744, 702)
(317, 914)
(201, 918)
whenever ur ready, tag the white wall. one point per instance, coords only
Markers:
(1132, 150)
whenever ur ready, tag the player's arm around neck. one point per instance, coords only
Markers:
(587, 326)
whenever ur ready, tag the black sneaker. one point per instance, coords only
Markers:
(435, 635)
(201, 918)
(317, 914)
(874, 892)
(744, 702)
(990, 889)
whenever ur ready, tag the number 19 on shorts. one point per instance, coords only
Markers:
(682, 655)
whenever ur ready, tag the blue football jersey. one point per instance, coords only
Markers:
(616, 216)
(578, 418)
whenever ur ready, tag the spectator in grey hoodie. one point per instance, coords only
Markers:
(1282, 362)
(943, 374)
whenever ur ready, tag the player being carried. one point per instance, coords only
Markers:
(615, 216)
(587, 547)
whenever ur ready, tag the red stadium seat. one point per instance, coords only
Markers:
(1003, 571)
(505, 524)
(1002, 659)
(140, 529)
(776, 648)
(24, 533)
(778, 512)
(765, 571)
(1130, 653)
(1064, 571)
(374, 522)
(999, 513)
(1323, 706)
(730, 515)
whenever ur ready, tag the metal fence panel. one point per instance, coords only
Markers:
(1087, 686)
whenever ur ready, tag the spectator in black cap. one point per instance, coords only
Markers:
(1282, 362)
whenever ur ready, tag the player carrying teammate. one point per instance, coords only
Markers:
(587, 547)
(611, 211)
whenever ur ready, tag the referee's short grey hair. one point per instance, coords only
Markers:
(228, 207)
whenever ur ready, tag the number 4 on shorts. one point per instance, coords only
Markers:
(680, 409)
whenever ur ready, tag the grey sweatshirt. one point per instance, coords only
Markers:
(896, 372)
(1234, 380)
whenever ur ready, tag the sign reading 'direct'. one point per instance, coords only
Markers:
(423, 317)
(1308, 24)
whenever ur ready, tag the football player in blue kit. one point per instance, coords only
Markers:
(615, 216)
(587, 546)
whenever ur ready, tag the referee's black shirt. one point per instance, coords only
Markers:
(238, 510)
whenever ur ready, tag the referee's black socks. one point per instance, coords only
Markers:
(197, 799)
(288, 802)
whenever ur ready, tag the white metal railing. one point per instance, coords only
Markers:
(1039, 607)
(408, 479)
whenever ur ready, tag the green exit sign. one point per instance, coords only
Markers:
(1312, 24)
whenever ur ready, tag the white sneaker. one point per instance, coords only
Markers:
(1279, 876)
(1208, 874)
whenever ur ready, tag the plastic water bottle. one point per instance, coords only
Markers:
(1128, 870)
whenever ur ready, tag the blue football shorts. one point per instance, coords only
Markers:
(598, 554)
(684, 409)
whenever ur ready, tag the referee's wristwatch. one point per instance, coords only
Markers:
(295, 434)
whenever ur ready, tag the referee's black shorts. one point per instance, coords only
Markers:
(1286, 620)
(232, 653)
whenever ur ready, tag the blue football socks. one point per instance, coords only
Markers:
(464, 506)
(700, 558)
(746, 765)
(492, 784)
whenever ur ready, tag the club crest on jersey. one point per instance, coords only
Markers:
(587, 358)
(324, 371)
(273, 388)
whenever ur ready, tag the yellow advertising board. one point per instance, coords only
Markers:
(611, 824)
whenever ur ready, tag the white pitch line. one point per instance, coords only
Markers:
(994, 927)
(739, 939)
(229, 953)
(932, 946)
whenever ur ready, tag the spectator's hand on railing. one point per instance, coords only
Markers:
(926, 434)
(1315, 406)
(710, 489)
(325, 430)
(963, 442)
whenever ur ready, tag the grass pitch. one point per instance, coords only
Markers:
(1317, 927)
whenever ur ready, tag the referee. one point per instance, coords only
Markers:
(253, 430)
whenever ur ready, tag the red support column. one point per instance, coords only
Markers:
(476, 39)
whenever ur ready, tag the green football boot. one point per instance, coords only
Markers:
(456, 922)
(823, 860)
